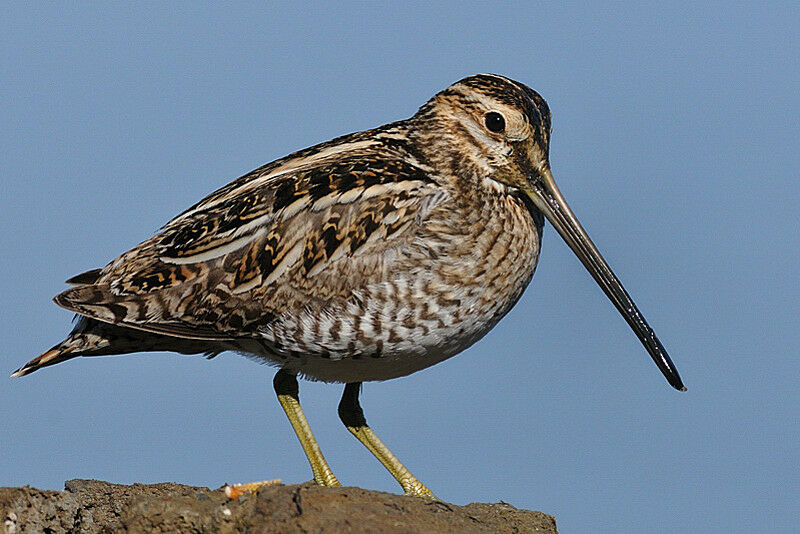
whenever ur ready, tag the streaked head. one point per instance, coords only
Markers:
(490, 123)
(500, 129)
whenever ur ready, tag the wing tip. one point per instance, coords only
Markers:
(85, 300)
(86, 278)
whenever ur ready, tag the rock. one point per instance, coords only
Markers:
(89, 506)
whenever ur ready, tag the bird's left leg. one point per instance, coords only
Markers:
(286, 388)
(285, 384)
(352, 416)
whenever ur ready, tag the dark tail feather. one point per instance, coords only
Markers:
(91, 337)
(87, 338)
(61, 352)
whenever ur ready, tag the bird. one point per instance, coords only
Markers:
(364, 258)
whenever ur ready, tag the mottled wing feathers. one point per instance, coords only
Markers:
(308, 228)
(99, 302)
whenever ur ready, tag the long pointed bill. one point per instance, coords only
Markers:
(546, 196)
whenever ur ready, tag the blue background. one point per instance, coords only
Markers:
(675, 140)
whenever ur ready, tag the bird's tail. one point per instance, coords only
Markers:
(53, 356)
(91, 337)
(83, 341)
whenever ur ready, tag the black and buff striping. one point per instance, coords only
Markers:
(364, 258)
(377, 253)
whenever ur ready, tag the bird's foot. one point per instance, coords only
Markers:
(326, 478)
(418, 489)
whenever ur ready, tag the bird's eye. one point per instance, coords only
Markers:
(495, 122)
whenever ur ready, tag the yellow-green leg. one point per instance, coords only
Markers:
(286, 387)
(352, 416)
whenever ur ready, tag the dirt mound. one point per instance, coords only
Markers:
(88, 506)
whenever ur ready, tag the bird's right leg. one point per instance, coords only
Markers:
(285, 384)
(352, 416)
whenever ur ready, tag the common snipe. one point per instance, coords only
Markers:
(367, 257)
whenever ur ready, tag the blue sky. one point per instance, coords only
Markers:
(675, 140)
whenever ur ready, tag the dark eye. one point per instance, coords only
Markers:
(495, 122)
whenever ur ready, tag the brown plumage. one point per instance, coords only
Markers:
(367, 257)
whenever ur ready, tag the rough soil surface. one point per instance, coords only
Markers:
(88, 506)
